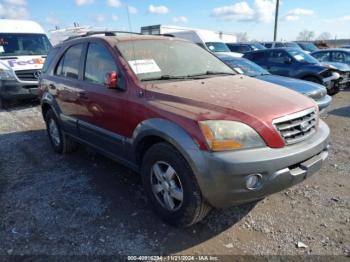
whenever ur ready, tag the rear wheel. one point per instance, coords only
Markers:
(171, 187)
(60, 142)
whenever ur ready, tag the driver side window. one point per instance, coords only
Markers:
(278, 57)
(99, 62)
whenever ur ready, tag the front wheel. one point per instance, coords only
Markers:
(171, 186)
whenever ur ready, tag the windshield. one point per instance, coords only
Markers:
(23, 44)
(217, 47)
(303, 57)
(165, 59)
(308, 47)
(246, 67)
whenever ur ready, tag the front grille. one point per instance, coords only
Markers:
(297, 127)
(28, 75)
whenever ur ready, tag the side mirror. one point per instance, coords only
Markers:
(288, 60)
(111, 80)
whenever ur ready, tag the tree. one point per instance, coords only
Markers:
(306, 35)
(242, 37)
(324, 36)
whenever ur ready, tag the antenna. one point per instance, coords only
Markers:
(131, 35)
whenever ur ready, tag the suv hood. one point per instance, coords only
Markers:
(338, 66)
(301, 86)
(240, 98)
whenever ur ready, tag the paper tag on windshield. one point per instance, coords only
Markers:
(2, 50)
(144, 66)
(298, 57)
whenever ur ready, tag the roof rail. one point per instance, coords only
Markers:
(106, 33)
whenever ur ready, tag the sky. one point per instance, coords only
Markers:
(256, 17)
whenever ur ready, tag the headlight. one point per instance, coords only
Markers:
(224, 135)
(6, 74)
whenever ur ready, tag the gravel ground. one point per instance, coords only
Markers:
(85, 204)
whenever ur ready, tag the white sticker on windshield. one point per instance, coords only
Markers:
(144, 66)
(211, 47)
(299, 57)
(2, 50)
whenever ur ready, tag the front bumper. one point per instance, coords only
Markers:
(13, 89)
(324, 103)
(223, 180)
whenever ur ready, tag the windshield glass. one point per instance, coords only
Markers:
(303, 57)
(217, 47)
(159, 59)
(309, 47)
(23, 44)
(246, 67)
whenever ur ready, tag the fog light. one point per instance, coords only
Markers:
(253, 181)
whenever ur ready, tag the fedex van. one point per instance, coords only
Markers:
(23, 49)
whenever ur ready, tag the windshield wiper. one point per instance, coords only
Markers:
(212, 73)
(165, 77)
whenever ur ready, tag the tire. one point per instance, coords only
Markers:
(60, 142)
(4, 103)
(186, 212)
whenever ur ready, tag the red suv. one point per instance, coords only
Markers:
(199, 134)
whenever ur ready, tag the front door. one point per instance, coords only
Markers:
(102, 110)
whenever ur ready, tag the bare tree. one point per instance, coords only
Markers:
(306, 35)
(242, 37)
(324, 36)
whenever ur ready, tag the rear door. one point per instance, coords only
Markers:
(64, 84)
(103, 114)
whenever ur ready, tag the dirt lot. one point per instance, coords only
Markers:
(84, 204)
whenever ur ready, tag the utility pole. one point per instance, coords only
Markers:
(276, 20)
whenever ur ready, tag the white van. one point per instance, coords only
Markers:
(23, 49)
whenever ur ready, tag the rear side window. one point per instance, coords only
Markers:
(50, 57)
(99, 62)
(268, 45)
(70, 62)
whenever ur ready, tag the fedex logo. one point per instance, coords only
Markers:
(34, 61)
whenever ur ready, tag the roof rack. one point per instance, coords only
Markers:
(106, 33)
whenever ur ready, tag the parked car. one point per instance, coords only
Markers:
(297, 64)
(336, 55)
(200, 135)
(23, 48)
(340, 59)
(244, 47)
(307, 46)
(314, 91)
